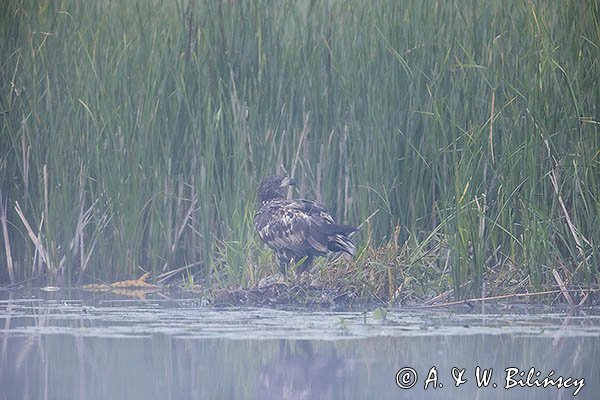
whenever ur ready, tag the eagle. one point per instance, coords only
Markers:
(298, 230)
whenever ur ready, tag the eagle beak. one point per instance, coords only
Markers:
(287, 181)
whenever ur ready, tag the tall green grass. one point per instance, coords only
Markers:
(134, 134)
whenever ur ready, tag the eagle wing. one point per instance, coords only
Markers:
(297, 226)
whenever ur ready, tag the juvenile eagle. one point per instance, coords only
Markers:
(298, 230)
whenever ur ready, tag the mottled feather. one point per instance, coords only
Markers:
(298, 230)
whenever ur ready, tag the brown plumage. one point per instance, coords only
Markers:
(298, 230)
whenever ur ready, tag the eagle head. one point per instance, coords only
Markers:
(274, 187)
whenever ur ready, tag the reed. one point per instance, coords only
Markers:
(134, 134)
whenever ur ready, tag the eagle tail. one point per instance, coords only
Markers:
(342, 246)
(338, 241)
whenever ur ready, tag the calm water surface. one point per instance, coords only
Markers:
(69, 345)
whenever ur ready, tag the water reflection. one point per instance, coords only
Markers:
(298, 372)
(74, 350)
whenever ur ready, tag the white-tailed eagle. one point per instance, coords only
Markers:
(298, 230)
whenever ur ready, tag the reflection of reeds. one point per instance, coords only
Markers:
(14, 362)
(139, 141)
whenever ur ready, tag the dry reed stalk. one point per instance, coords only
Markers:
(9, 260)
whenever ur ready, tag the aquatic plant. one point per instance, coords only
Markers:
(133, 137)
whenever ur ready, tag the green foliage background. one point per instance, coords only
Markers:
(135, 133)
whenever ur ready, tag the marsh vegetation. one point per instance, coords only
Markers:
(464, 135)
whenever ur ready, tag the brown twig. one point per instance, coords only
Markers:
(563, 288)
(500, 297)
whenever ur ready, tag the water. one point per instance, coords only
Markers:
(67, 345)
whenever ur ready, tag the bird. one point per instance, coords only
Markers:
(298, 230)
